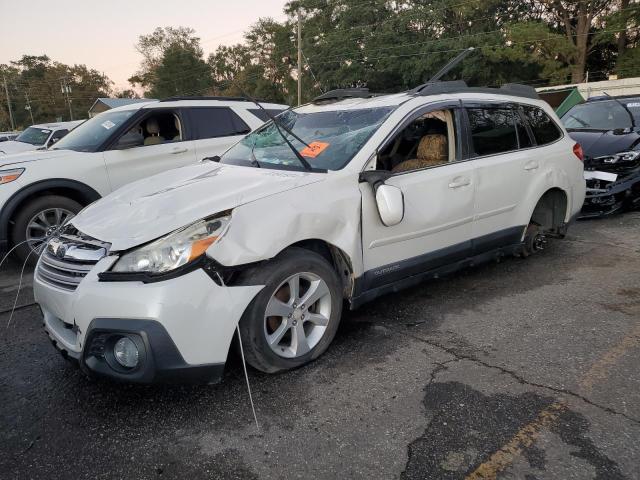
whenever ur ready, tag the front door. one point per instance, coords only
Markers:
(438, 189)
(155, 144)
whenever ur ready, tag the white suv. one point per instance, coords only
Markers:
(40, 189)
(150, 283)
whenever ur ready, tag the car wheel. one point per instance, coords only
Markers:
(37, 220)
(295, 317)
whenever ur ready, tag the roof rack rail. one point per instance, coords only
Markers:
(459, 86)
(176, 98)
(342, 93)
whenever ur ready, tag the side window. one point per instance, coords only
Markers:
(158, 127)
(262, 115)
(493, 130)
(544, 129)
(57, 135)
(428, 141)
(216, 122)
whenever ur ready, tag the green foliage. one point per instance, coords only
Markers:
(36, 82)
(172, 63)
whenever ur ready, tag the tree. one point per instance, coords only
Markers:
(172, 63)
(35, 88)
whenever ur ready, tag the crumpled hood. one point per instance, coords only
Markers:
(148, 209)
(597, 143)
(34, 155)
(11, 146)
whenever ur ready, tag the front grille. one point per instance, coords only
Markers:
(67, 259)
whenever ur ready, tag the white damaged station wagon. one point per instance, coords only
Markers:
(344, 199)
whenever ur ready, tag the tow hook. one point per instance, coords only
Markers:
(539, 241)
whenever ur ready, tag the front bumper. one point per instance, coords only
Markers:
(617, 196)
(182, 326)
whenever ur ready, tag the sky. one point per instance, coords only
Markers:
(102, 34)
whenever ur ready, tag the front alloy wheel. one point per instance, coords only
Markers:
(297, 315)
(294, 318)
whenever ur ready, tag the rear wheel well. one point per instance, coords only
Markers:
(551, 211)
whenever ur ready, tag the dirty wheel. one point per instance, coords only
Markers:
(295, 317)
(534, 240)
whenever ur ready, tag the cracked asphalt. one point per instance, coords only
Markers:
(526, 369)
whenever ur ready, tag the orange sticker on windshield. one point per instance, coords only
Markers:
(314, 149)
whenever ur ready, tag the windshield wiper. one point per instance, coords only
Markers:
(277, 124)
(626, 109)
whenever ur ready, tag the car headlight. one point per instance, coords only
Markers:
(7, 176)
(619, 157)
(176, 249)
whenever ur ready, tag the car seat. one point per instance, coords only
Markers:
(153, 129)
(432, 150)
(176, 122)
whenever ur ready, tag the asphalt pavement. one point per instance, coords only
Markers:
(524, 369)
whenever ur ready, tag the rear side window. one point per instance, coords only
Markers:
(524, 140)
(216, 122)
(544, 129)
(493, 130)
(262, 115)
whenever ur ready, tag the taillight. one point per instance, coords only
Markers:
(577, 151)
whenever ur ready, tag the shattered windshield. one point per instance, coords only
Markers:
(600, 115)
(332, 139)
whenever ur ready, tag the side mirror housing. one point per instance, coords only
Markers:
(390, 202)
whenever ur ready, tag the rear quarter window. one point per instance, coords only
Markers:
(544, 129)
(213, 122)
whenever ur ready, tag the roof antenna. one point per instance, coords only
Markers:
(449, 66)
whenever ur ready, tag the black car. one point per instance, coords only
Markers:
(608, 128)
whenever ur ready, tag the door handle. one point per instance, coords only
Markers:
(459, 182)
(178, 150)
(531, 165)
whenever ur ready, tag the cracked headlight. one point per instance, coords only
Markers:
(175, 249)
(619, 157)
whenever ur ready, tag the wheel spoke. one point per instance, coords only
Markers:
(36, 226)
(43, 218)
(276, 308)
(58, 214)
(294, 288)
(276, 336)
(318, 319)
(317, 290)
(299, 342)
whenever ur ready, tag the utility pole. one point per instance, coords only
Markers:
(66, 89)
(28, 107)
(299, 57)
(6, 90)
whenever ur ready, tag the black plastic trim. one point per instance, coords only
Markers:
(398, 275)
(146, 277)
(161, 361)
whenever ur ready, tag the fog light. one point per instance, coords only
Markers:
(126, 352)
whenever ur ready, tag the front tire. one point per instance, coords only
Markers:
(36, 220)
(293, 320)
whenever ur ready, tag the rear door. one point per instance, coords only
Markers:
(215, 129)
(505, 164)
